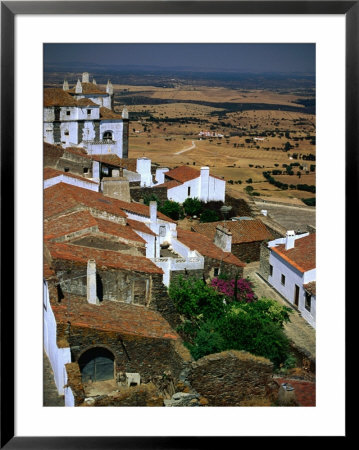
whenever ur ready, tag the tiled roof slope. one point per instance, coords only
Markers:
(82, 220)
(168, 184)
(140, 226)
(205, 246)
(302, 256)
(311, 287)
(104, 258)
(106, 113)
(114, 160)
(58, 97)
(113, 316)
(58, 151)
(52, 173)
(88, 88)
(183, 173)
(64, 197)
(242, 230)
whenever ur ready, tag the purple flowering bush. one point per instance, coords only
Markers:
(237, 290)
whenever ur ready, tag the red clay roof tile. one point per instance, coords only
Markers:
(302, 256)
(49, 172)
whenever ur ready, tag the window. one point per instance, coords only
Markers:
(66, 169)
(308, 301)
(216, 271)
(66, 133)
(189, 191)
(68, 113)
(107, 136)
(89, 112)
(85, 170)
(270, 270)
(282, 280)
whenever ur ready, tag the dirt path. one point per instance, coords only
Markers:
(187, 149)
(297, 330)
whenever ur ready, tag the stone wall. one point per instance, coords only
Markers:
(74, 382)
(264, 261)
(116, 187)
(150, 357)
(232, 377)
(248, 251)
(210, 264)
(137, 193)
(142, 395)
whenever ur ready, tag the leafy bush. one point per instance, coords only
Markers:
(147, 198)
(309, 201)
(171, 209)
(209, 215)
(192, 206)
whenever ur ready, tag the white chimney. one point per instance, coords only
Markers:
(204, 183)
(109, 87)
(153, 212)
(94, 81)
(264, 212)
(78, 88)
(160, 174)
(65, 86)
(91, 282)
(289, 239)
(223, 238)
(125, 113)
(85, 77)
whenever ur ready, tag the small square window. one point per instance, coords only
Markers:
(216, 271)
(66, 133)
(89, 112)
(68, 113)
(283, 280)
(85, 170)
(66, 169)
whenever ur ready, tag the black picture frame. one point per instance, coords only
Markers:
(9, 9)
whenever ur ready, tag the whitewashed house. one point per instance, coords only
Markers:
(83, 116)
(53, 176)
(186, 182)
(292, 271)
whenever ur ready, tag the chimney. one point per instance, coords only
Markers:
(289, 239)
(153, 212)
(91, 282)
(124, 113)
(78, 88)
(109, 87)
(204, 183)
(94, 81)
(65, 86)
(223, 238)
(85, 77)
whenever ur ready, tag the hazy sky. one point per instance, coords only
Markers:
(254, 58)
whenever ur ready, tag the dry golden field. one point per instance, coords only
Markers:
(253, 140)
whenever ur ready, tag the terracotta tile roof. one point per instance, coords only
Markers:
(58, 97)
(143, 210)
(169, 184)
(52, 173)
(140, 226)
(113, 160)
(302, 256)
(103, 258)
(64, 197)
(83, 220)
(311, 287)
(242, 230)
(129, 164)
(186, 173)
(205, 246)
(122, 318)
(183, 173)
(88, 88)
(57, 150)
(106, 113)
(86, 102)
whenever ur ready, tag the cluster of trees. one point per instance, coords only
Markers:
(190, 207)
(226, 315)
(300, 187)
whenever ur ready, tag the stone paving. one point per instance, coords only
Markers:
(290, 217)
(51, 396)
(297, 330)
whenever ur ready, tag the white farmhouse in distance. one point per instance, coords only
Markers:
(292, 271)
(186, 182)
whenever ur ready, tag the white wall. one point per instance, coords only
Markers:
(215, 190)
(292, 277)
(58, 356)
(70, 180)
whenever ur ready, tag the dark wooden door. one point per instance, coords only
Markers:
(296, 296)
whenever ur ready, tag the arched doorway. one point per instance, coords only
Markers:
(97, 364)
(107, 136)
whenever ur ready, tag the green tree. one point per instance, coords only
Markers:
(147, 198)
(171, 209)
(192, 206)
(209, 215)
